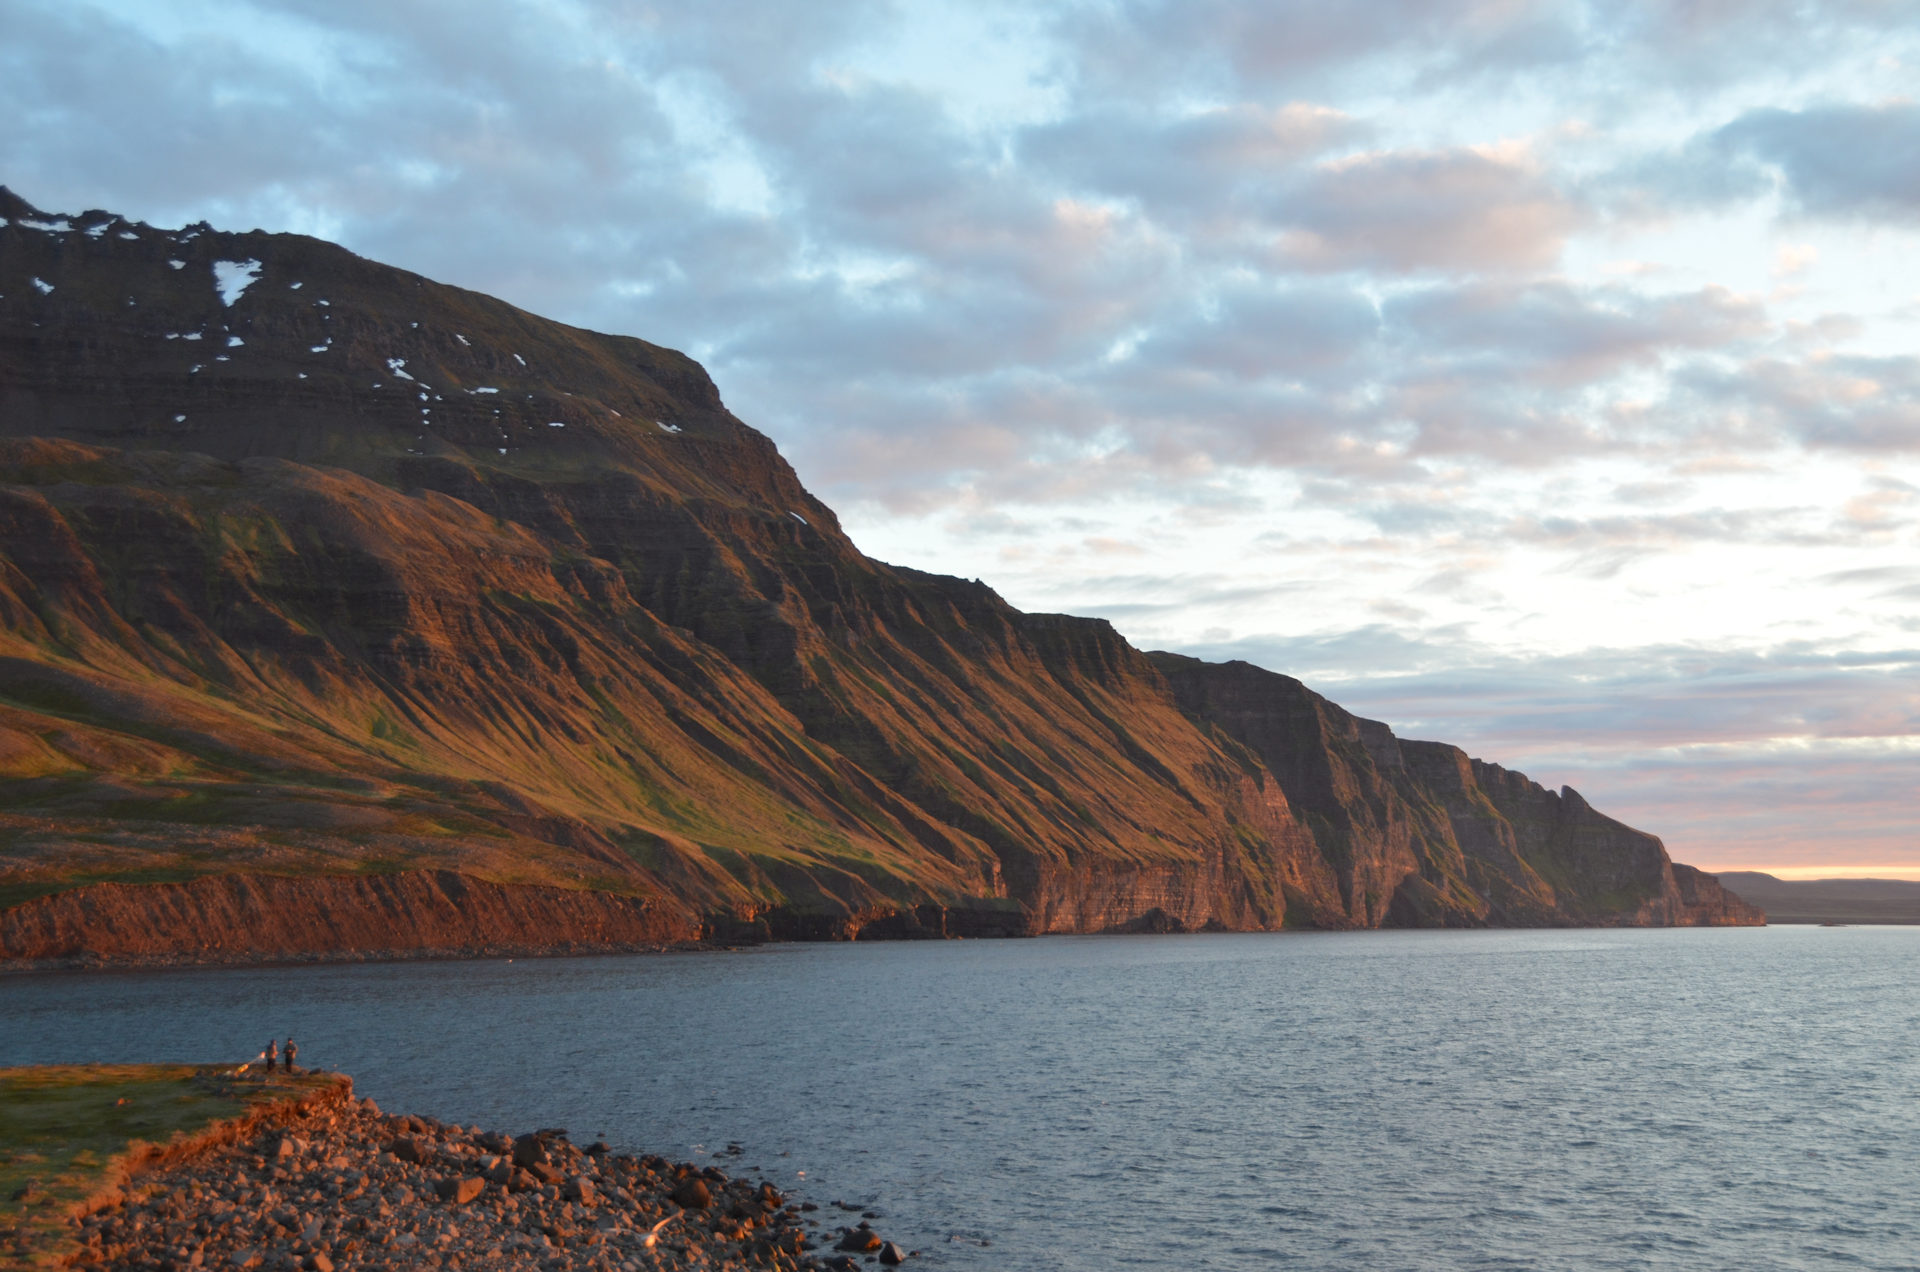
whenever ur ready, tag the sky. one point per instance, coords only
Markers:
(1542, 378)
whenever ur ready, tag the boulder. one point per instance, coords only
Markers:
(579, 1189)
(692, 1193)
(408, 1149)
(529, 1150)
(892, 1255)
(860, 1241)
(459, 1192)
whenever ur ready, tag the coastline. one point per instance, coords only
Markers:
(321, 1180)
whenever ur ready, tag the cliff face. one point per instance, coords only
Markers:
(1420, 835)
(310, 566)
(236, 917)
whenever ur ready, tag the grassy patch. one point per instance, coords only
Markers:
(12, 894)
(64, 1129)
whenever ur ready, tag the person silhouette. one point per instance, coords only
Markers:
(273, 1054)
(292, 1051)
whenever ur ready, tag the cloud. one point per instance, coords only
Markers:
(1835, 160)
(1460, 209)
(1560, 335)
(1212, 172)
(1826, 401)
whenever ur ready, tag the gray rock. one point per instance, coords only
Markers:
(692, 1193)
(860, 1241)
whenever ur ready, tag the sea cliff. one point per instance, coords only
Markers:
(332, 597)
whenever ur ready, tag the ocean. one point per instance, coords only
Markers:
(1580, 1100)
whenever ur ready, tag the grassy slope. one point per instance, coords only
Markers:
(407, 577)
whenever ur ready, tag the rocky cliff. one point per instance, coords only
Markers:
(313, 569)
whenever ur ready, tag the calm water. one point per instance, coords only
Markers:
(1554, 1100)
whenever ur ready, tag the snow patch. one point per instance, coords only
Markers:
(190, 335)
(503, 450)
(321, 348)
(302, 374)
(179, 419)
(178, 264)
(797, 517)
(295, 286)
(233, 278)
(129, 236)
(234, 342)
(670, 428)
(522, 361)
(463, 340)
(485, 388)
(555, 424)
(397, 366)
(46, 288)
(98, 231)
(323, 302)
(58, 225)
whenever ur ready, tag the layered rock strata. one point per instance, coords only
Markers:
(312, 569)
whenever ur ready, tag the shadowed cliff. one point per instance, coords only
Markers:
(314, 569)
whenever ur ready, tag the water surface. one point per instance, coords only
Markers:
(1706, 1099)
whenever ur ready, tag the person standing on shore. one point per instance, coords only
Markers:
(273, 1053)
(292, 1051)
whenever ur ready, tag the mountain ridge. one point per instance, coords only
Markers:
(1842, 900)
(314, 567)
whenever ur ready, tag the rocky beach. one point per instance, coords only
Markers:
(333, 1183)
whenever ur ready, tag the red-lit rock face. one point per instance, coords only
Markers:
(411, 580)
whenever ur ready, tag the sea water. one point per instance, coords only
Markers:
(1579, 1100)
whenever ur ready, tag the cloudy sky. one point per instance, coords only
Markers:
(1539, 377)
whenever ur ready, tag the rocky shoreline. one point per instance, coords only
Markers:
(342, 1186)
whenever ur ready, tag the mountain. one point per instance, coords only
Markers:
(1829, 900)
(345, 610)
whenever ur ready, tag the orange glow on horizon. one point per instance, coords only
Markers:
(1801, 873)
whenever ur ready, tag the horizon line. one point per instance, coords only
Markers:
(1803, 874)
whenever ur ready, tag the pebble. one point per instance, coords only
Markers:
(353, 1190)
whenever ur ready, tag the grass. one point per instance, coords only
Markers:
(65, 1128)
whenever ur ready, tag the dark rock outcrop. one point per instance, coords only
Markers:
(318, 571)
